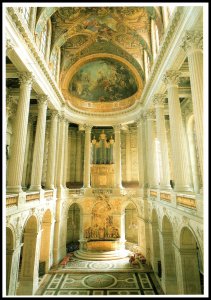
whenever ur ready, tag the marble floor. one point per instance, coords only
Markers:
(115, 277)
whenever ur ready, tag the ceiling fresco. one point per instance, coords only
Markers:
(81, 32)
(103, 80)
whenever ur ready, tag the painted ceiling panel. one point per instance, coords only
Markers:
(103, 80)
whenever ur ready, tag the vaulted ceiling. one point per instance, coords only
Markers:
(102, 58)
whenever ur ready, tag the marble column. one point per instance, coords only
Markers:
(178, 143)
(87, 156)
(128, 156)
(141, 144)
(118, 167)
(29, 132)
(192, 44)
(38, 155)
(65, 153)
(11, 108)
(52, 151)
(78, 156)
(60, 152)
(151, 153)
(162, 138)
(16, 162)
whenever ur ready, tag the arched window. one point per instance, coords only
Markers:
(55, 61)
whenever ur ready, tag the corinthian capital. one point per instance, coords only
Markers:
(150, 114)
(25, 78)
(9, 46)
(193, 40)
(87, 127)
(159, 100)
(42, 99)
(54, 114)
(117, 127)
(171, 77)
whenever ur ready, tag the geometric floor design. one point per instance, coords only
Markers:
(100, 284)
(99, 278)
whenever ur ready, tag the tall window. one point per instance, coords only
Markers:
(43, 40)
(54, 63)
(26, 13)
(171, 9)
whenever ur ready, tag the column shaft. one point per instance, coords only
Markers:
(65, 154)
(38, 155)
(87, 156)
(16, 162)
(118, 171)
(152, 162)
(78, 156)
(128, 157)
(192, 44)
(60, 153)
(178, 142)
(52, 151)
(162, 138)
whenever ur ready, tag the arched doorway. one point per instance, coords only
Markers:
(131, 224)
(9, 253)
(28, 283)
(191, 262)
(73, 228)
(168, 279)
(44, 261)
(156, 261)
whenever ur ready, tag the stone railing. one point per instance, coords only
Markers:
(11, 201)
(76, 192)
(186, 202)
(102, 191)
(153, 194)
(32, 197)
(48, 195)
(165, 197)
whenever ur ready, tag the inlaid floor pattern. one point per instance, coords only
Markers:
(100, 278)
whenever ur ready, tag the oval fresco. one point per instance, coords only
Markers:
(104, 79)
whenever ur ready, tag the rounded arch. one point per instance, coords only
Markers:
(10, 237)
(155, 243)
(10, 243)
(47, 216)
(73, 226)
(154, 215)
(192, 262)
(134, 203)
(131, 223)
(43, 17)
(166, 224)
(31, 224)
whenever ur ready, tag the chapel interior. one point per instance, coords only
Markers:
(103, 127)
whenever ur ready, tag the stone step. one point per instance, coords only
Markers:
(101, 255)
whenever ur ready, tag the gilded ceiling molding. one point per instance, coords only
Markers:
(101, 106)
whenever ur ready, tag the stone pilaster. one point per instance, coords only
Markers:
(38, 155)
(192, 44)
(87, 156)
(162, 138)
(52, 151)
(16, 162)
(118, 167)
(178, 143)
(152, 169)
